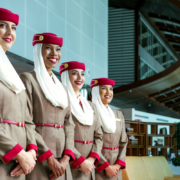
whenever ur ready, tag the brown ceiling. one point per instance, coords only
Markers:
(159, 94)
(175, 2)
(131, 4)
(170, 29)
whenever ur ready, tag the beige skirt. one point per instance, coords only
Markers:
(5, 170)
(79, 175)
(41, 172)
(102, 176)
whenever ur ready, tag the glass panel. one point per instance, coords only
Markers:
(145, 70)
(144, 36)
(155, 48)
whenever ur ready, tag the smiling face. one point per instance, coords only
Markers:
(77, 78)
(106, 94)
(51, 55)
(7, 34)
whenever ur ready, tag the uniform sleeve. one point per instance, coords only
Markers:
(30, 131)
(43, 151)
(79, 159)
(123, 144)
(96, 148)
(103, 163)
(97, 145)
(69, 133)
(98, 135)
(9, 148)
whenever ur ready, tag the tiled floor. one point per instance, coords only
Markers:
(175, 170)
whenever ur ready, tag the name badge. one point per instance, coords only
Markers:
(119, 120)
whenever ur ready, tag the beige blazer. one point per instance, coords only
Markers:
(50, 140)
(13, 139)
(117, 156)
(82, 150)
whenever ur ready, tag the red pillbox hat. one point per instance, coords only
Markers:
(102, 81)
(71, 65)
(47, 38)
(7, 15)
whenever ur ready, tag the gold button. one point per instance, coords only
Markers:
(19, 124)
(84, 142)
(41, 38)
(55, 125)
(65, 65)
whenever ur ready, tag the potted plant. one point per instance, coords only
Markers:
(176, 160)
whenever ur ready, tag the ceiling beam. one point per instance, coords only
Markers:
(168, 30)
(173, 103)
(163, 17)
(175, 2)
(173, 38)
(165, 90)
(177, 49)
(176, 46)
(176, 108)
(169, 96)
(168, 27)
(173, 41)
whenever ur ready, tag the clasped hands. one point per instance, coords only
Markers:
(58, 168)
(27, 161)
(112, 170)
(88, 165)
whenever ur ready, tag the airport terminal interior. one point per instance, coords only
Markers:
(134, 42)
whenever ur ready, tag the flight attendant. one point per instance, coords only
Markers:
(49, 106)
(115, 140)
(16, 126)
(88, 132)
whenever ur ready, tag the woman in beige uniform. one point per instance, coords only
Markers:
(49, 107)
(16, 127)
(88, 132)
(113, 155)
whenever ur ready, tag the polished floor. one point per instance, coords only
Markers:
(175, 170)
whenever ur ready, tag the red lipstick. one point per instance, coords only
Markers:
(7, 40)
(78, 82)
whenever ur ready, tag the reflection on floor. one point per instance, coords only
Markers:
(175, 170)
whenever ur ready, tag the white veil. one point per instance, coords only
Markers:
(85, 117)
(108, 120)
(54, 92)
(8, 75)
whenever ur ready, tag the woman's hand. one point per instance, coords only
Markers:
(111, 171)
(117, 165)
(26, 162)
(63, 162)
(56, 168)
(33, 152)
(91, 159)
(88, 165)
